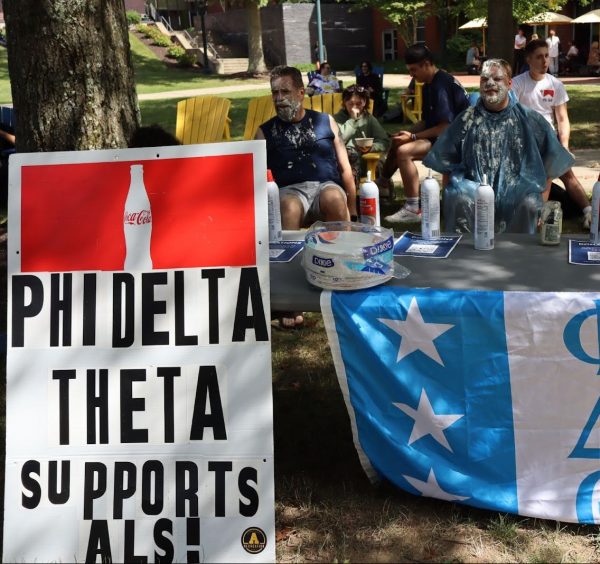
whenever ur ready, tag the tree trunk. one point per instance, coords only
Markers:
(501, 30)
(256, 58)
(71, 74)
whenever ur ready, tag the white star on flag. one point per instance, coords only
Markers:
(416, 334)
(431, 488)
(427, 422)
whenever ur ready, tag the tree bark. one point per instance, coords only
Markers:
(71, 74)
(501, 30)
(256, 58)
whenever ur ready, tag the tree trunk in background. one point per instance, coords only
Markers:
(256, 58)
(501, 30)
(71, 74)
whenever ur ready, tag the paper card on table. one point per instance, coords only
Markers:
(583, 252)
(413, 245)
(284, 251)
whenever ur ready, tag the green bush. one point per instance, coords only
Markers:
(186, 60)
(161, 41)
(458, 45)
(175, 51)
(143, 29)
(133, 17)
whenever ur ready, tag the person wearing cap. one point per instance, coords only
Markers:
(512, 145)
(443, 99)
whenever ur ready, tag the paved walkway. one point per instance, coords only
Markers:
(390, 81)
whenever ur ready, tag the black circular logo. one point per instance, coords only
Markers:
(254, 540)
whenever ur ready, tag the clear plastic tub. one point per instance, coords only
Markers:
(349, 256)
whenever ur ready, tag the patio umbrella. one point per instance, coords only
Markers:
(548, 18)
(589, 18)
(477, 23)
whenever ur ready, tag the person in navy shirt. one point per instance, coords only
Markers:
(443, 99)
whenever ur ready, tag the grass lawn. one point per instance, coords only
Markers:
(152, 75)
(163, 112)
(5, 93)
(584, 113)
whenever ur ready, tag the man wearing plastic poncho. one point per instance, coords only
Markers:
(514, 146)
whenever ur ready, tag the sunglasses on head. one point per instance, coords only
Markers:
(355, 89)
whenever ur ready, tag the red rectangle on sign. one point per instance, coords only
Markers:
(202, 213)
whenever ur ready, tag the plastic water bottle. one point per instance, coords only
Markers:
(274, 209)
(368, 195)
(430, 207)
(137, 223)
(594, 229)
(484, 216)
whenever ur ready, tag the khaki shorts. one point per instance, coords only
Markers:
(308, 193)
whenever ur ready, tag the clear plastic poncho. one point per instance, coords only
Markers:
(516, 148)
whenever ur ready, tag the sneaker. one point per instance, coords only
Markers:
(404, 215)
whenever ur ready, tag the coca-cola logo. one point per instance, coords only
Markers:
(138, 218)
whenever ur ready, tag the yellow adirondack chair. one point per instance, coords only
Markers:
(414, 111)
(328, 103)
(260, 109)
(203, 119)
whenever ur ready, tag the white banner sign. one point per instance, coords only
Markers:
(139, 407)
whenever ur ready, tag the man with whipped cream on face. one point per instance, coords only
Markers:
(512, 145)
(307, 156)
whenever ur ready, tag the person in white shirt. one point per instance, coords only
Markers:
(542, 92)
(572, 63)
(553, 43)
(520, 42)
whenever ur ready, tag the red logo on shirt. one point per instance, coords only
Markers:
(548, 92)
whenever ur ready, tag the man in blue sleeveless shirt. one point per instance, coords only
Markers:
(307, 156)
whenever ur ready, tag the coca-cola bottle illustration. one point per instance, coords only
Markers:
(137, 223)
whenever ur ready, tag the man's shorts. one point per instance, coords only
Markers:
(308, 193)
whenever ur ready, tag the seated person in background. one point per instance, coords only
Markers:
(7, 141)
(152, 136)
(545, 94)
(354, 120)
(407, 97)
(594, 57)
(372, 83)
(514, 146)
(323, 82)
(443, 99)
(573, 62)
(472, 60)
(308, 159)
